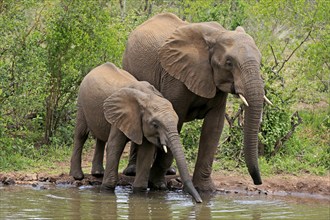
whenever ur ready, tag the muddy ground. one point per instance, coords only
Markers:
(304, 186)
(227, 182)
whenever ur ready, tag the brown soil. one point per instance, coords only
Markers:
(227, 182)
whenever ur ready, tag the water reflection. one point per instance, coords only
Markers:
(89, 203)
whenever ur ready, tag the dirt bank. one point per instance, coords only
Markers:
(227, 182)
(305, 186)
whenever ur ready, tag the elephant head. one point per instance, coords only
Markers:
(207, 58)
(140, 111)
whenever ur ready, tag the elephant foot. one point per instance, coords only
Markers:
(130, 170)
(157, 182)
(97, 172)
(158, 186)
(77, 175)
(138, 189)
(205, 185)
(108, 188)
(171, 171)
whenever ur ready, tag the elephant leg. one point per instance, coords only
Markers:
(115, 147)
(209, 140)
(80, 137)
(97, 164)
(145, 158)
(130, 170)
(158, 170)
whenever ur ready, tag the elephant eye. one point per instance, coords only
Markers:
(154, 125)
(229, 64)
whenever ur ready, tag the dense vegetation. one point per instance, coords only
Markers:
(48, 46)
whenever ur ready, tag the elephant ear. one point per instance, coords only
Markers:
(122, 109)
(185, 56)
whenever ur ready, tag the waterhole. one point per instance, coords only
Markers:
(19, 202)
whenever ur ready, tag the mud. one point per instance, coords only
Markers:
(306, 186)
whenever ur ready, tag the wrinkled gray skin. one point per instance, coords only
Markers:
(195, 66)
(116, 108)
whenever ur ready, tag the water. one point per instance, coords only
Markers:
(17, 202)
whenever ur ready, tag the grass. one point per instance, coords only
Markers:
(36, 160)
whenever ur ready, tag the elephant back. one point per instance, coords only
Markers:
(141, 53)
(161, 25)
(98, 85)
(107, 77)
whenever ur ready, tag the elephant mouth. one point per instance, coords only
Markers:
(233, 90)
(158, 143)
(162, 146)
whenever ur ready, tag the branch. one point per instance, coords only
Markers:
(279, 143)
(285, 46)
(3, 51)
(276, 63)
(37, 20)
(289, 57)
(276, 72)
(301, 43)
(325, 83)
(231, 120)
(228, 118)
(122, 4)
(145, 5)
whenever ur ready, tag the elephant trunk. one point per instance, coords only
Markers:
(178, 154)
(254, 93)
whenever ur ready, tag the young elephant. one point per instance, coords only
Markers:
(116, 108)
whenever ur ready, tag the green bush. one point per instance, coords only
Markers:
(49, 46)
(190, 134)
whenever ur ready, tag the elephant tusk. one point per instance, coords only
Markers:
(165, 148)
(267, 100)
(243, 99)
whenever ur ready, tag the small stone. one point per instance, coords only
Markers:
(85, 182)
(77, 183)
(43, 187)
(178, 179)
(95, 183)
(42, 179)
(173, 184)
(8, 181)
(301, 185)
(52, 179)
(221, 190)
(30, 177)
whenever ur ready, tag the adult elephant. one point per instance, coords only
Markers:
(195, 66)
(116, 108)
